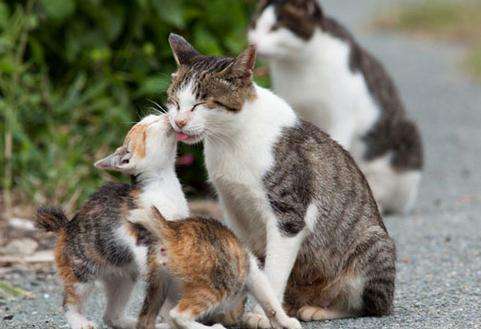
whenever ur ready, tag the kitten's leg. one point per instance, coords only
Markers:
(195, 304)
(75, 295)
(155, 296)
(118, 291)
(260, 288)
(231, 314)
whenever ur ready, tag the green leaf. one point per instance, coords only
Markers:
(206, 42)
(153, 85)
(4, 14)
(170, 11)
(58, 9)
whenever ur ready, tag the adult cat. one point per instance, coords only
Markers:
(333, 82)
(289, 192)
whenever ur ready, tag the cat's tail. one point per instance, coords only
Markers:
(51, 219)
(155, 223)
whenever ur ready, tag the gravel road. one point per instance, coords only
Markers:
(439, 245)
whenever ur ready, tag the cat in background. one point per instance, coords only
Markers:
(289, 192)
(333, 82)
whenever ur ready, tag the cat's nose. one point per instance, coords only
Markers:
(180, 123)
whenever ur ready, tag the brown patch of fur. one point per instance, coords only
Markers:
(205, 257)
(137, 137)
(65, 271)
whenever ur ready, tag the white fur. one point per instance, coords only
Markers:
(312, 214)
(393, 190)
(314, 76)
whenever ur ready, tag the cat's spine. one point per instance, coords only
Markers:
(51, 219)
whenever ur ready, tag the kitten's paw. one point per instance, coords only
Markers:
(122, 323)
(218, 326)
(83, 324)
(286, 323)
(256, 321)
(163, 325)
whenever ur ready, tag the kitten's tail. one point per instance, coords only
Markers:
(51, 219)
(160, 226)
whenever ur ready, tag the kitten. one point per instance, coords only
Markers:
(209, 266)
(289, 192)
(98, 244)
(331, 81)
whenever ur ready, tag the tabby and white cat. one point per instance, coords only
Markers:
(331, 81)
(291, 193)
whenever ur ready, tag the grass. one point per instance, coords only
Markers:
(444, 20)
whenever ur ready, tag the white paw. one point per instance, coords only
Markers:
(286, 323)
(256, 321)
(122, 323)
(163, 325)
(218, 326)
(83, 324)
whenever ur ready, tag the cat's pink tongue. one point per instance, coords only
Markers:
(182, 137)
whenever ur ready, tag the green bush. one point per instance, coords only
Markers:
(75, 74)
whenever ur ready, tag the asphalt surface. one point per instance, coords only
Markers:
(439, 245)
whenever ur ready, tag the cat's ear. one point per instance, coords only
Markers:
(120, 160)
(182, 50)
(243, 66)
(314, 9)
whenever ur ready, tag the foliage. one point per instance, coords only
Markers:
(74, 74)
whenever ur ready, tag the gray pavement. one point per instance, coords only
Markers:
(439, 245)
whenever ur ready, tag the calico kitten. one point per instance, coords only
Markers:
(333, 82)
(289, 192)
(98, 244)
(210, 269)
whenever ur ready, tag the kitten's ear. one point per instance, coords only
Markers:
(182, 50)
(243, 66)
(119, 160)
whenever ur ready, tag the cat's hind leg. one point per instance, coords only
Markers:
(75, 296)
(195, 304)
(118, 290)
(314, 313)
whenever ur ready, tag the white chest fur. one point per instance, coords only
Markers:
(236, 168)
(323, 90)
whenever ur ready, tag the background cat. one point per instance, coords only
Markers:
(333, 82)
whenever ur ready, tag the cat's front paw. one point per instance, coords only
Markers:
(256, 321)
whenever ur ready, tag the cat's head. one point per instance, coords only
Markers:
(149, 145)
(280, 28)
(207, 91)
